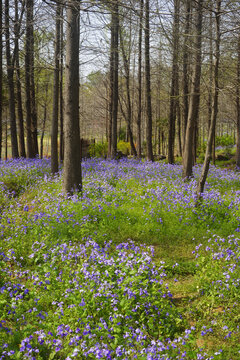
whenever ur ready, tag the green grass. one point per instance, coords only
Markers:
(129, 209)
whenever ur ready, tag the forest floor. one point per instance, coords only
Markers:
(129, 269)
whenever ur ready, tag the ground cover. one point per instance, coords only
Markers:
(130, 268)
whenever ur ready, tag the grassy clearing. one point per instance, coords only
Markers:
(78, 282)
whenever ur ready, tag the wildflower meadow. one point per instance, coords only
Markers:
(128, 269)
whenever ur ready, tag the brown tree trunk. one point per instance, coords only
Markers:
(1, 81)
(126, 62)
(10, 80)
(22, 151)
(174, 96)
(139, 115)
(186, 67)
(32, 80)
(72, 174)
(148, 84)
(238, 105)
(193, 110)
(114, 85)
(28, 49)
(44, 121)
(205, 168)
(55, 113)
(61, 102)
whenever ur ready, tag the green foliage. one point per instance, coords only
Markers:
(122, 133)
(124, 147)
(224, 141)
(98, 149)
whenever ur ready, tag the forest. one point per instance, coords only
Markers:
(119, 179)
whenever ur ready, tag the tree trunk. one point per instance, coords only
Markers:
(139, 115)
(54, 133)
(114, 85)
(72, 174)
(194, 98)
(148, 84)
(205, 168)
(61, 102)
(28, 49)
(22, 151)
(238, 105)
(174, 96)
(126, 62)
(32, 80)
(44, 121)
(1, 81)
(186, 68)
(10, 80)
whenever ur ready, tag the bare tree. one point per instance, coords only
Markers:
(114, 62)
(17, 28)
(193, 110)
(206, 163)
(148, 83)
(174, 96)
(55, 112)
(188, 5)
(72, 174)
(139, 114)
(10, 79)
(1, 80)
(238, 104)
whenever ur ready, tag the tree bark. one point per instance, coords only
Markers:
(148, 84)
(32, 80)
(139, 115)
(238, 104)
(10, 80)
(174, 96)
(114, 85)
(44, 121)
(207, 159)
(28, 66)
(72, 174)
(1, 80)
(193, 110)
(126, 62)
(55, 113)
(22, 150)
(186, 68)
(61, 101)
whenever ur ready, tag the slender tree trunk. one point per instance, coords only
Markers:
(205, 168)
(61, 102)
(32, 80)
(30, 144)
(72, 174)
(238, 105)
(178, 114)
(195, 96)
(10, 79)
(44, 122)
(22, 151)
(55, 113)
(186, 68)
(139, 115)
(126, 62)
(174, 96)
(6, 138)
(114, 87)
(1, 80)
(148, 84)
